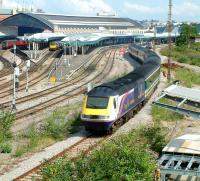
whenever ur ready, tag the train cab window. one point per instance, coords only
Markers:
(97, 102)
(114, 102)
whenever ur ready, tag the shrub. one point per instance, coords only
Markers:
(155, 137)
(128, 157)
(183, 59)
(6, 122)
(6, 148)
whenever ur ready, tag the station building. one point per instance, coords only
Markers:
(30, 23)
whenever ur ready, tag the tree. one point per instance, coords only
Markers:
(187, 32)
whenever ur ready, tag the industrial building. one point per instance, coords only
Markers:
(29, 23)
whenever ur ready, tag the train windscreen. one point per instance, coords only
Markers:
(97, 102)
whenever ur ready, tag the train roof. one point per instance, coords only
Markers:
(117, 87)
(147, 69)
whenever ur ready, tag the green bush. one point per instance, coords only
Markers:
(6, 148)
(155, 137)
(128, 157)
(6, 122)
(183, 59)
(183, 54)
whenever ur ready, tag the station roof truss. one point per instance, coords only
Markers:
(180, 99)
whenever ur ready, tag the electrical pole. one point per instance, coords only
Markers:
(169, 40)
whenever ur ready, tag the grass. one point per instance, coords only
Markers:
(5, 148)
(55, 127)
(127, 157)
(161, 114)
(187, 77)
(184, 54)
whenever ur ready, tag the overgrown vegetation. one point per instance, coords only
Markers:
(188, 31)
(127, 157)
(160, 114)
(56, 127)
(185, 50)
(187, 77)
(6, 122)
(183, 54)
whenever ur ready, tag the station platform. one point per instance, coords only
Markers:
(67, 65)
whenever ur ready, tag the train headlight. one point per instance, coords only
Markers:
(94, 117)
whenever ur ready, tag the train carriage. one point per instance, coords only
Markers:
(113, 102)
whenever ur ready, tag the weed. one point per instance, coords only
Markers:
(6, 148)
(6, 122)
(128, 157)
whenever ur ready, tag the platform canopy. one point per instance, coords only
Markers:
(45, 37)
(91, 38)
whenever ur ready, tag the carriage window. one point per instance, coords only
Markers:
(97, 102)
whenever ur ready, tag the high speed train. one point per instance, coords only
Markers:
(113, 103)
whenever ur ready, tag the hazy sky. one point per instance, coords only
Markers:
(183, 10)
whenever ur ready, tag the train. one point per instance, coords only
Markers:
(111, 104)
(7, 44)
(53, 46)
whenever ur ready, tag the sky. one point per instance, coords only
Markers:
(183, 10)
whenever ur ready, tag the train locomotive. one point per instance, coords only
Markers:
(113, 103)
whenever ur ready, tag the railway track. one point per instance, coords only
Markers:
(67, 95)
(84, 146)
(8, 65)
(7, 69)
(6, 91)
(81, 75)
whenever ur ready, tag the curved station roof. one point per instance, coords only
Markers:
(75, 39)
(50, 22)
